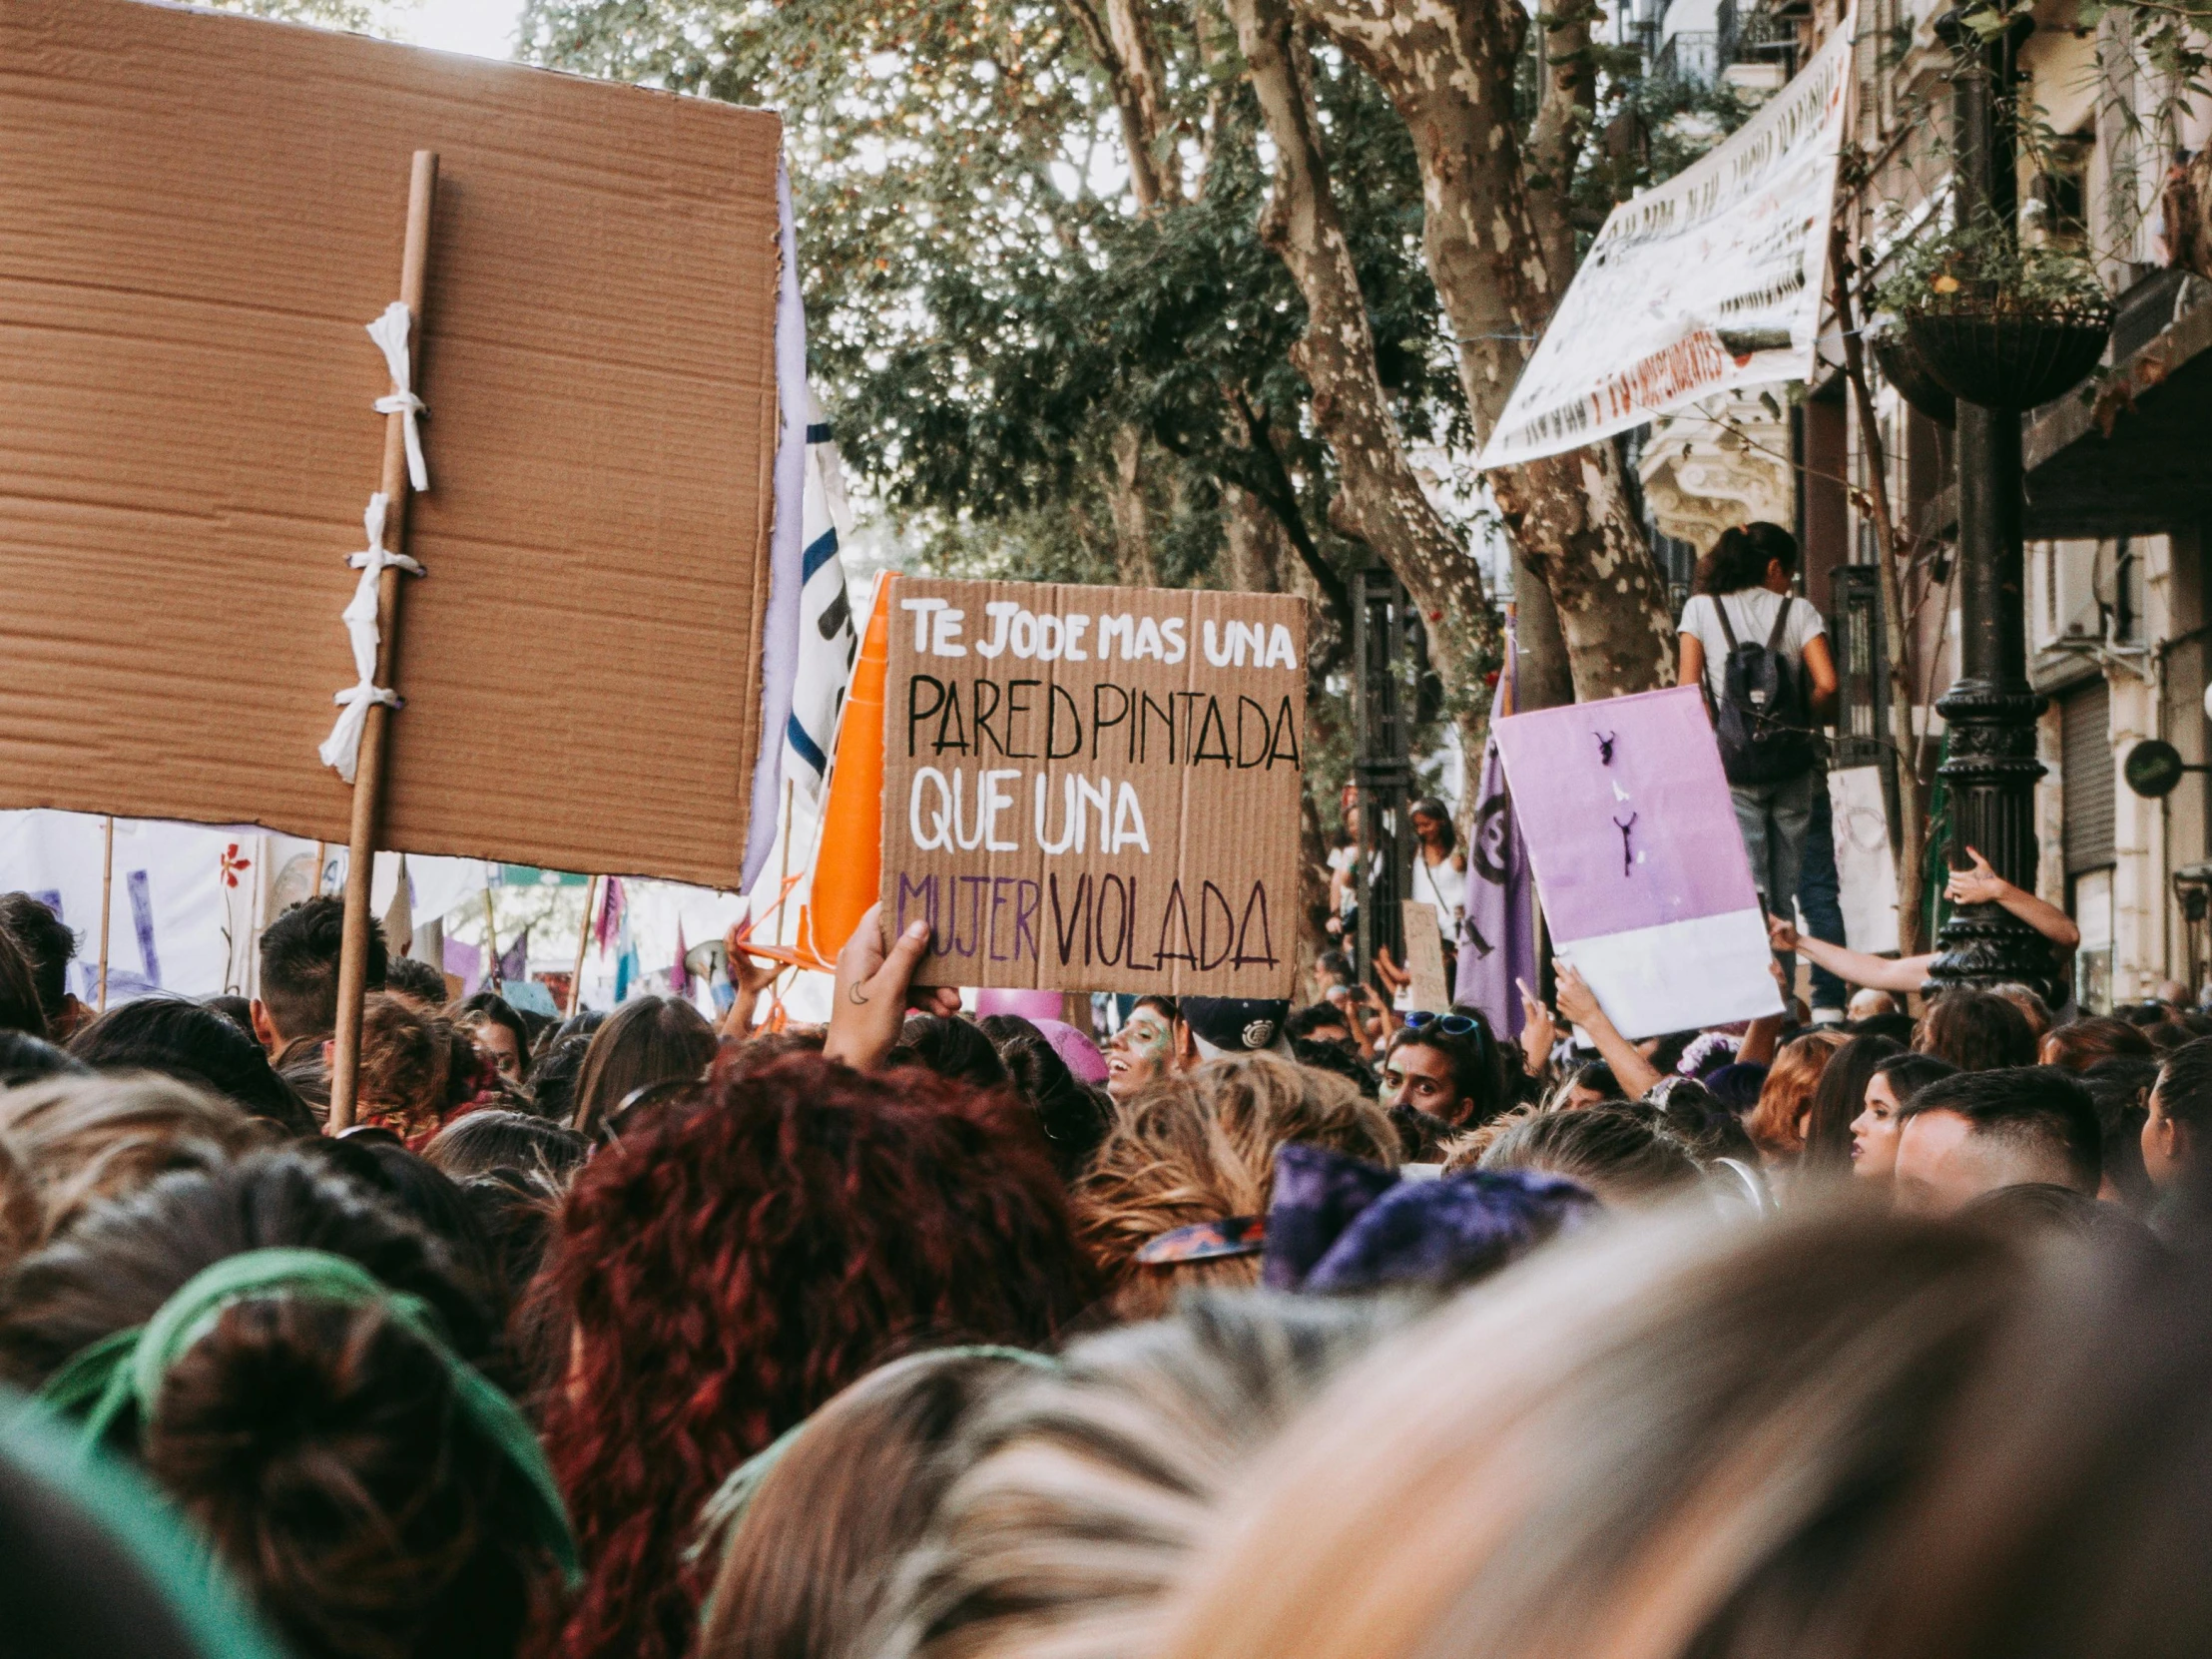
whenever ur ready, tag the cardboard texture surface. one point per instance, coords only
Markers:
(197, 215)
(1095, 789)
(1424, 955)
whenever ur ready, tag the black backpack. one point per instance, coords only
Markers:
(1763, 718)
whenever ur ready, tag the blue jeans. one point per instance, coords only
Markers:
(1820, 897)
(1775, 820)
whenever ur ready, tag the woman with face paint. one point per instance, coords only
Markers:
(1143, 1050)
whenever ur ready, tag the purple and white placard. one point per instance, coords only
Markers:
(1639, 865)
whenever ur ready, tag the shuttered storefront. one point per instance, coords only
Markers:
(2086, 774)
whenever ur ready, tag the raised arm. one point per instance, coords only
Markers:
(1984, 885)
(1883, 973)
(1578, 1003)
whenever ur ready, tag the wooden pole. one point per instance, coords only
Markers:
(321, 858)
(369, 776)
(107, 901)
(583, 943)
(491, 947)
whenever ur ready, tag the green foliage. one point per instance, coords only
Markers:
(986, 309)
(363, 17)
(1982, 267)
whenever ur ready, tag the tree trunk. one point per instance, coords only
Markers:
(1379, 501)
(1499, 247)
(1122, 40)
(1257, 551)
(1133, 565)
(1909, 833)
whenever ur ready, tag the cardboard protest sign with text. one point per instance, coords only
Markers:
(202, 212)
(1095, 789)
(1638, 860)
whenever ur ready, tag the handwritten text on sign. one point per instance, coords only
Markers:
(1095, 789)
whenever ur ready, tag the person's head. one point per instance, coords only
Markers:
(553, 1078)
(1198, 1149)
(648, 1041)
(195, 1045)
(2122, 1090)
(1082, 1493)
(2030, 1003)
(951, 1047)
(1663, 1438)
(1975, 1031)
(497, 1031)
(1754, 555)
(1614, 1151)
(1450, 1067)
(1339, 1061)
(1332, 967)
(809, 1534)
(415, 1067)
(1874, 1132)
(1590, 1084)
(1228, 1027)
(19, 1000)
(1839, 1099)
(1072, 1114)
(300, 971)
(47, 948)
(2177, 1131)
(1683, 1109)
(722, 1267)
(1143, 1050)
(239, 1010)
(421, 982)
(1319, 1022)
(25, 1059)
(2080, 1044)
(1963, 1136)
(483, 1143)
(1431, 820)
(1777, 1123)
(73, 1142)
(1866, 1002)
(320, 1443)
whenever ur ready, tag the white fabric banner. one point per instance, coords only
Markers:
(1865, 871)
(1710, 280)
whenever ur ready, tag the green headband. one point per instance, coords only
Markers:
(127, 1368)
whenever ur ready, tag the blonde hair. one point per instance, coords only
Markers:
(1668, 1437)
(1201, 1147)
(1084, 1494)
(1786, 1094)
(74, 1141)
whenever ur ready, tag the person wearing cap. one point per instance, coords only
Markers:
(1222, 1028)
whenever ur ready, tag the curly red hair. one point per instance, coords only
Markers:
(725, 1268)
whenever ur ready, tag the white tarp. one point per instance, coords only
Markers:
(189, 901)
(1710, 280)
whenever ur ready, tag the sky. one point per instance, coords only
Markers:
(482, 26)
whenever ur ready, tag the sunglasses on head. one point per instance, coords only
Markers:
(1452, 1025)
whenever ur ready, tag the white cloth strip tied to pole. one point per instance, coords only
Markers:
(389, 332)
(342, 747)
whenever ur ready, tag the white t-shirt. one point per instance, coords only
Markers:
(1751, 614)
(1445, 886)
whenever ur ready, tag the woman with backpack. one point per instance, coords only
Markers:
(1761, 655)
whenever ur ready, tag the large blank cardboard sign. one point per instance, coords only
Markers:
(1095, 789)
(197, 215)
(1638, 860)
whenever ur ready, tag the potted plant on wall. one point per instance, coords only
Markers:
(1995, 324)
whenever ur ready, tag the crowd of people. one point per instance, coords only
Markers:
(1335, 1330)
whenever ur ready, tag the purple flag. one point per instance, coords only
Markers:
(514, 965)
(1498, 927)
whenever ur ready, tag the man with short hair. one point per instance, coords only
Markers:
(299, 1001)
(1964, 1136)
(2178, 1135)
(48, 947)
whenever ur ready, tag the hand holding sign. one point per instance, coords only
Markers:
(869, 1005)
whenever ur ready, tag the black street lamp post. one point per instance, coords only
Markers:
(1991, 710)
